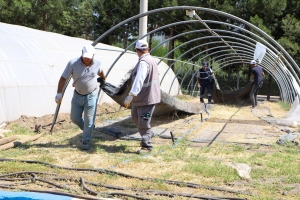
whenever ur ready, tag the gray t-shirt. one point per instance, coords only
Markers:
(84, 77)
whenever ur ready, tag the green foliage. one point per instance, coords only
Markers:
(257, 21)
(160, 51)
(89, 19)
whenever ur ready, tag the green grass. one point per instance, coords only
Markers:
(19, 130)
(212, 169)
(284, 105)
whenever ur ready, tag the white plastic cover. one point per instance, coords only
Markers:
(32, 61)
(260, 51)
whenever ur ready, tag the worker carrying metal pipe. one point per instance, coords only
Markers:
(204, 80)
(84, 71)
(144, 94)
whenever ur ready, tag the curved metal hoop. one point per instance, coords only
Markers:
(236, 39)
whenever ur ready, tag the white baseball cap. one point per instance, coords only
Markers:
(141, 44)
(252, 62)
(88, 51)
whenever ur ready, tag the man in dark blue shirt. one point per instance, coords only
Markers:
(204, 80)
(257, 75)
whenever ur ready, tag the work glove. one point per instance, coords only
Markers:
(58, 98)
(198, 85)
(127, 101)
(101, 80)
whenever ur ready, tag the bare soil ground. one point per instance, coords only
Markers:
(223, 124)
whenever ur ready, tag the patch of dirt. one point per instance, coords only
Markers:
(43, 124)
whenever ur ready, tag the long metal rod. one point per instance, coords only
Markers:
(58, 105)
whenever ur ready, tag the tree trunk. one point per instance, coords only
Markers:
(206, 47)
(45, 17)
(228, 76)
(46, 21)
(150, 40)
(126, 39)
(269, 87)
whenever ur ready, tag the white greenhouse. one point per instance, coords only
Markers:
(32, 62)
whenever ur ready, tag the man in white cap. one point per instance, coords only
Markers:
(84, 71)
(257, 76)
(144, 94)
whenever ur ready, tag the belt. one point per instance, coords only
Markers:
(85, 94)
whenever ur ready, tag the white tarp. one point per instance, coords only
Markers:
(260, 51)
(32, 61)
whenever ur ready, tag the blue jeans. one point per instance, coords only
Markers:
(205, 84)
(84, 104)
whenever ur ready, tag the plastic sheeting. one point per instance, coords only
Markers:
(32, 61)
(260, 51)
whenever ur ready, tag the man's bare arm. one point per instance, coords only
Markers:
(101, 74)
(61, 84)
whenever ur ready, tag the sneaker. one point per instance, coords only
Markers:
(85, 145)
(144, 150)
(211, 103)
(201, 100)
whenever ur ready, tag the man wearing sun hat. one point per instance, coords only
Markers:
(84, 71)
(144, 94)
(257, 75)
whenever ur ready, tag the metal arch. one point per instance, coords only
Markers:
(198, 54)
(267, 70)
(205, 43)
(284, 80)
(278, 79)
(193, 49)
(201, 59)
(216, 37)
(230, 62)
(194, 31)
(200, 9)
(289, 100)
(246, 56)
(270, 74)
(287, 58)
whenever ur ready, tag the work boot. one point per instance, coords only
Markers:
(201, 100)
(144, 150)
(85, 145)
(209, 99)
